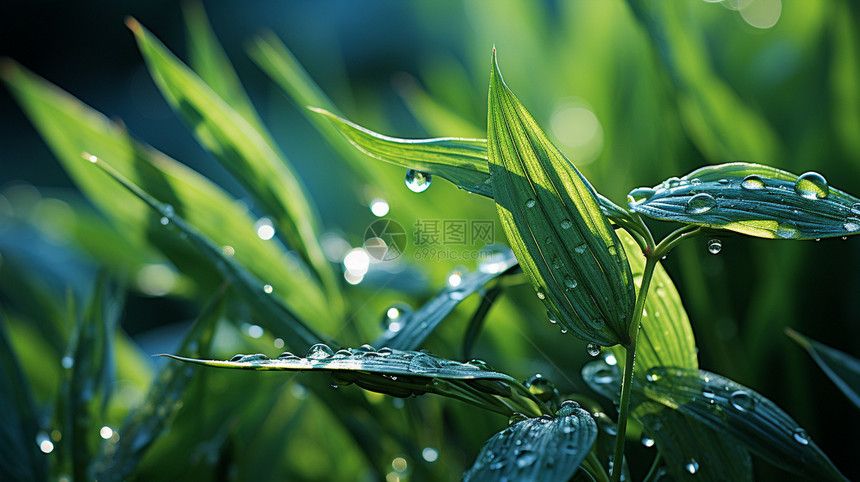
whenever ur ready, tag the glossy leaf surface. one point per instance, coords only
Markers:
(754, 200)
(544, 448)
(842, 368)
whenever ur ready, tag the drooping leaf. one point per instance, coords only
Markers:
(552, 219)
(742, 414)
(460, 161)
(544, 448)
(118, 459)
(397, 373)
(20, 458)
(413, 327)
(249, 154)
(754, 200)
(70, 127)
(842, 368)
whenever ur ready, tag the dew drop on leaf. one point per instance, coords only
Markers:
(752, 182)
(593, 349)
(742, 401)
(541, 295)
(692, 466)
(526, 458)
(851, 224)
(700, 204)
(320, 351)
(581, 248)
(786, 230)
(646, 440)
(800, 436)
(640, 195)
(565, 224)
(418, 181)
(812, 185)
(715, 246)
(517, 417)
(855, 208)
(164, 221)
(530, 203)
(267, 288)
(569, 282)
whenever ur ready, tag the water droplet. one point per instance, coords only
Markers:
(418, 181)
(855, 208)
(639, 195)
(786, 230)
(517, 417)
(67, 362)
(288, 356)
(526, 458)
(671, 182)
(851, 224)
(692, 466)
(597, 324)
(564, 331)
(800, 436)
(753, 182)
(742, 401)
(696, 181)
(530, 203)
(430, 454)
(565, 224)
(593, 349)
(237, 357)
(724, 181)
(379, 207)
(653, 376)
(569, 282)
(164, 221)
(541, 295)
(581, 248)
(249, 358)
(454, 278)
(540, 387)
(264, 228)
(700, 204)
(715, 246)
(812, 185)
(569, 404)
(267, 288)
(646, 440)
(320, 351)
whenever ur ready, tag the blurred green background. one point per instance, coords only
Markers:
(632, 92)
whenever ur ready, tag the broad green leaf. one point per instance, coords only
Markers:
(741, 414)
(666, 337)
(552, 219)
(460, 161)
(842, 368)
(397, 373)
(70, 127)
(90, 375)
(248, 153)
(118, 459)
(754, 200)
(20, 458)
(413, 327)
(544, 448)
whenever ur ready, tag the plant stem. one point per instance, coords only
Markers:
(627, 380)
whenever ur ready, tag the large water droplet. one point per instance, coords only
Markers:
(639, 195)
(593, 349)
(646, 440)
(752, 182)
(692, 466)
(418, 181)
(540, 387)
(671, 182)
(800, 436)
(742, 401)
(700, 204)
(530, 203)
(812, 185)
(851, 224)
(786, 230)
(320, 351)
(569, 282)
(715, 246)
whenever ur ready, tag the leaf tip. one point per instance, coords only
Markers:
(8, 68)
(133, 25)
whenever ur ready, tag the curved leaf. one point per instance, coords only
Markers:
(742, 414)
(397, 373)
(842, 368)
(544, 448)
(754, 200)
(552, 219)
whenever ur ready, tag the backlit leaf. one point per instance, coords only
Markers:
(842, 368)
(544, 448)
(753, 199)
(552, 219)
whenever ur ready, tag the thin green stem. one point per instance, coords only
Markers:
(674, 238)
(627, 380)
(655, 469)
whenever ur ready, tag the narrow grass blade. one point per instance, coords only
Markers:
(552, 219)
(20, 458)
(69, 127)
(249, 154)
(463, 162)
(754, 200)
(118, 459)
(397, 373)
(742, 414)
(842, 368)
(415, 326)
(544, 448)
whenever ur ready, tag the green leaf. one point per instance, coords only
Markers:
(460, 161)
(20, 458)
(70, 127)
(754, 200)
(118, 459)
(552, 219)
(415, 326)
(397, 373)
(248, 153)
(842, 368)
(742, 414)
(544, 448)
